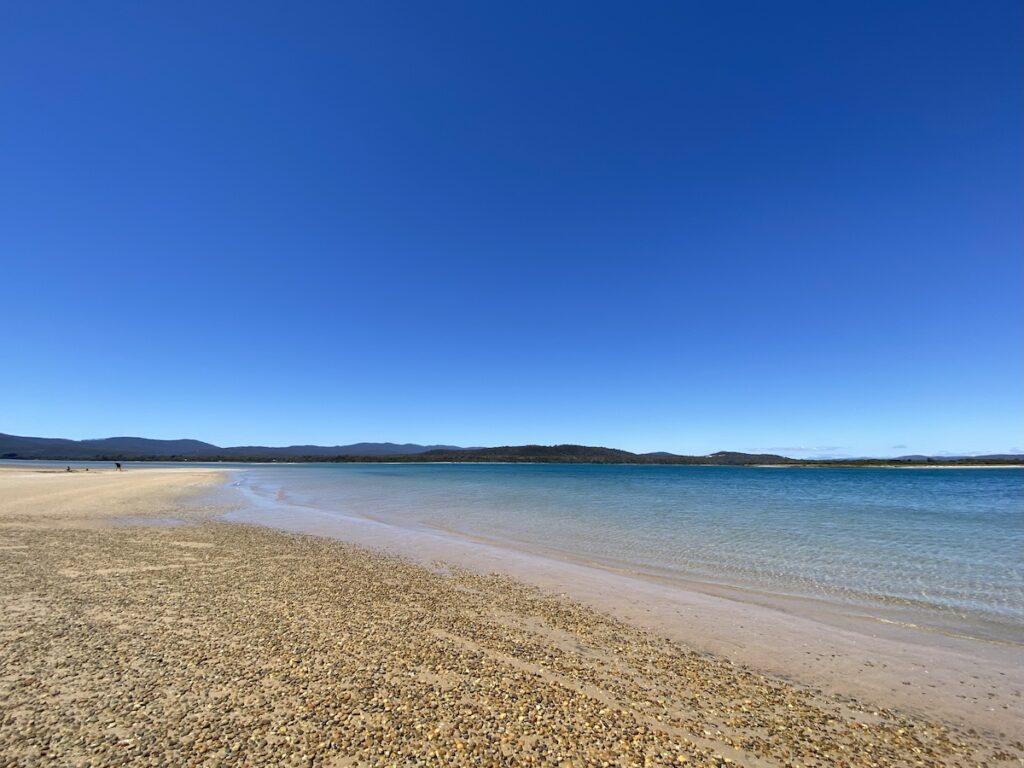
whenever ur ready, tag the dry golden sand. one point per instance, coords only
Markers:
(219, 644)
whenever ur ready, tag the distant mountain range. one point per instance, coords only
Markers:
(15, 447)
(944, 457)
(142, 448)
(583, 454)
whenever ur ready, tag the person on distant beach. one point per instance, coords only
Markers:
(68, 469)
(118, 465)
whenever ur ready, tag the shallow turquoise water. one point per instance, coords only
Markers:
(943, 541)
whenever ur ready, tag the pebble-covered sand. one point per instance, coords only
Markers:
(210, 644)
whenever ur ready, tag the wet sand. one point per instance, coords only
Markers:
(212, 643)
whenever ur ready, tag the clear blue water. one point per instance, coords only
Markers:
(942, 541)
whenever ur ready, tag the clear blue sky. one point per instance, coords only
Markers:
(686, 226)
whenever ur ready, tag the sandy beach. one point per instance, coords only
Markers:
(139, 630)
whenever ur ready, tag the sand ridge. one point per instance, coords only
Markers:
(51, 496)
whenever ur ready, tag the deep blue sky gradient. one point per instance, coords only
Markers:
(686, 226)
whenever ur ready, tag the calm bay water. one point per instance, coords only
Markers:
(948, 542)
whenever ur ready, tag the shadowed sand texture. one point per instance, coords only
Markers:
(213, 644)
